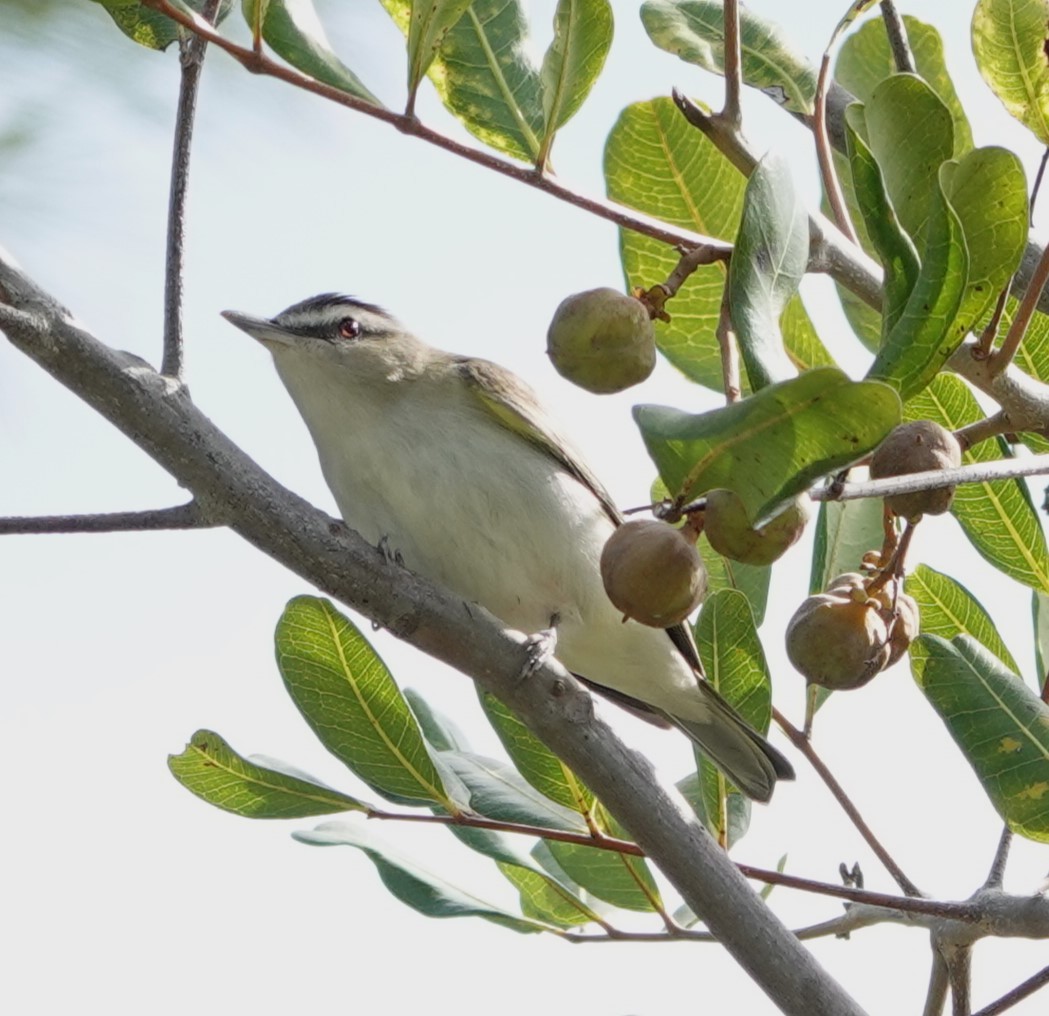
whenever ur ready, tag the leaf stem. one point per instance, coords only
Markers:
(732, 112)
(896, 30)
(1001, 359)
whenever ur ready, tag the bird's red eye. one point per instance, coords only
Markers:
(349, 328)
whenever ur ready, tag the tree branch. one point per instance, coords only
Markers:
(898, 42)
(157, 414)
(183, 516)
(1023, 990)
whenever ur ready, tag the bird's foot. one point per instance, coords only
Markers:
(392, 556)
(539, 646)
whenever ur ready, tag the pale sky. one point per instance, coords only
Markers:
(122, 891)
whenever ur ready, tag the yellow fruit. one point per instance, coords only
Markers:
(914, 448)
(602, 340)
(728, 528)
(653, 573)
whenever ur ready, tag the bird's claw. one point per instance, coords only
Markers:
(539, 647)
(391, 555)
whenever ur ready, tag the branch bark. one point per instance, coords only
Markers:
(157, 413)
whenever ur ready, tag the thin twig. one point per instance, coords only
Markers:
(1001, 858)
(1017, 994)
(732, 113)
(726, 336)
(804, 745)
(1001, 359)
(1037, 186)
(824, 156)
(896, 30)
(939, 982)
(983, 347)
(983, 430)
(192, 48)
(183, 516)
(959, 970)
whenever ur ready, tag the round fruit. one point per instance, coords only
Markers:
(900, 612)
(914, 448)
(602, 340)
(729, 531)
(838, 640)
(653, 573)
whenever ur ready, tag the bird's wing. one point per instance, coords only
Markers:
(508, 398)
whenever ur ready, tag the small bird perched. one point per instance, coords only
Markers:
(455, 464)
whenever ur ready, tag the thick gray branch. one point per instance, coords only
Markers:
(157, 414)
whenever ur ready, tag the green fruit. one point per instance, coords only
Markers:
(602, 340)
(653, 573)
(914, 448)
(728, 528)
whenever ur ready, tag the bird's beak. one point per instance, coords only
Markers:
(261, 329)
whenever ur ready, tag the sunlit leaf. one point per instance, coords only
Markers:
(774, 444)
(582, 37)
(845, 531)
(769, 261)
(694, 31)
(293, 31)
(948, 609)
(1000, 725)
(1010, 40)
(412, 883)
(425, 25)
(351, 701)
(656, 162)
(545, 899)
(211, 769)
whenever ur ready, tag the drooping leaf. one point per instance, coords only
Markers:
(545, 899)
(845, 531)
(768, 263)
(486, 76)
(886, 236)
(1040, 618)
(998, 518)
(211, 769)
(346, 694)
(422, 890)
(534, 761)
(749, 579)
(1010, 39)
(911, 133)
(442, 733)
(656, 162)
(694, 31)
(623, 880)
(865, 59)
(735, 665)
(925, 334)
(948, 609)
(774, 444)
(582, 38)
(497, 791)
(294, 32)
(1000, 725)
(424, 25)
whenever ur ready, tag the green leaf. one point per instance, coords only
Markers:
(948, 609)
(1000, 725)
(425, 25)
(413, 884)
(749, 579)
(773, 445)
(150, 28)
(624, 880)
(988, 190)
(497, 791)
(486, 77)
(911, 133)
(545, 899)
(694, 30)
(1033, 355)
(1040, 617)
(735, 665)
(442, 733)
(582, 38)
(1010, 38)
(845, 531)
(925, 335)
(293, 31)
(656, 162)
(998, 518)
(883, 230)
(768, 264)
(211, 769)
(350, 700)
(865, 59)
(534, 760)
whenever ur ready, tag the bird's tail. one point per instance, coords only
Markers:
(735, 747)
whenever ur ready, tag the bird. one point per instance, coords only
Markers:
(453, 462)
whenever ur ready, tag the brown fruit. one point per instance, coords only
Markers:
(902, 618)
(914, 448)
(839, 640)
(728, 528)
(653, 573)
(602, 340)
